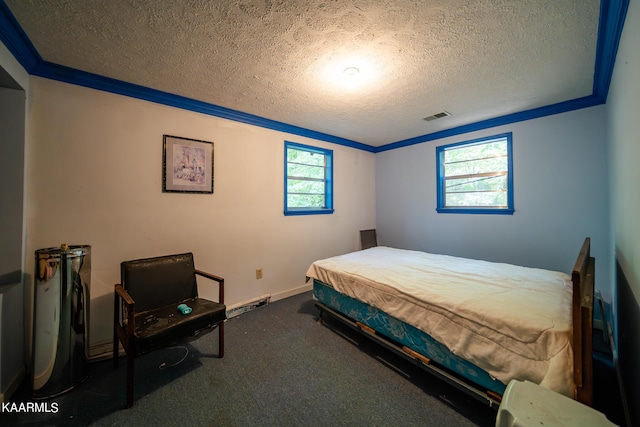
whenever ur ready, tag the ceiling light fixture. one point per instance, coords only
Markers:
(351, 71)
(348, 71)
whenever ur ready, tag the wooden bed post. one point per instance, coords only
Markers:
(582, 314)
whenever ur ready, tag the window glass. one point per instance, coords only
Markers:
(308, 180)
(476, 176)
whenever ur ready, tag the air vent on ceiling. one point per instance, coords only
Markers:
(437, 116)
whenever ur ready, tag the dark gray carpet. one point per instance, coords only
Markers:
(281, 368)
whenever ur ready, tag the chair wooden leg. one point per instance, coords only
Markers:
(115, 351)
(130, 358)
(115, 331)
(221, 340)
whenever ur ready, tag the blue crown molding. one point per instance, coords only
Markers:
(81, 78)
(549, 110)
(612, 16)
(16, 40)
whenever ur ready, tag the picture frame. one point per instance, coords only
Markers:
(187, 165)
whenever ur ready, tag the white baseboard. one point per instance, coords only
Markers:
(243, 307)
(103, 350)
(291, 292)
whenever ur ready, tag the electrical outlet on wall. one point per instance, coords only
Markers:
(258, 273)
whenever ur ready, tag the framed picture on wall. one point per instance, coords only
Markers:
(187, 165)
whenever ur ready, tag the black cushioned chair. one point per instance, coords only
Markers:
(146, 314)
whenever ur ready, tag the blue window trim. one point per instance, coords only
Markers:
(509, 210)
(328, 183)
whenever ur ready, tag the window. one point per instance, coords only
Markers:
(308, 180)
(476, 176)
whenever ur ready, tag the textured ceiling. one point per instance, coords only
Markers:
(283, 59)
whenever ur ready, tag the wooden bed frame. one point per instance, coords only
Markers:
(582, 314)
(583, 291)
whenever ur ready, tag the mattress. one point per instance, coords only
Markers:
(513, 322)
(403, 336)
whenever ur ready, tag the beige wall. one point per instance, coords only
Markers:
(623, 105)
(561, 196)
(12, 67)
(12, 147)
(623, 127)
(94, 164)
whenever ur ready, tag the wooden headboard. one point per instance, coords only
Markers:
(583, 290)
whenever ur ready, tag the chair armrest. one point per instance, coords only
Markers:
(218, 279)
(125, 296)
(130, 305)
(210, 276)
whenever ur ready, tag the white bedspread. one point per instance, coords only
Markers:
(514, 322)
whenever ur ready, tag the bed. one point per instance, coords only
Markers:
(475, 324)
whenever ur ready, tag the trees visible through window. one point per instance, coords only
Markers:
(476, 176)
(308, 180)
